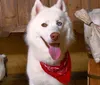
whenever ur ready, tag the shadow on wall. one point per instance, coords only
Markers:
(14, 44)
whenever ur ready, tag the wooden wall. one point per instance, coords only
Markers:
(14, 16)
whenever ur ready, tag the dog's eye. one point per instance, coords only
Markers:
(59, 23)
(44, 24)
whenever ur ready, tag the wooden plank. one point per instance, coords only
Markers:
(15, 80)
(94, 81)
(14, 29)
(81, 82)
(72, 82)
(45, 2)
(14, 44)
(94, 70)
(78, 75)
(91, 66)
(0, 17)
(78, 54)
(23, 12)
(9, 10)
(94, 4)
(99, 3)
(31, 4)
(16, 65)
(85, 4)
(52, 2)
(72, 7)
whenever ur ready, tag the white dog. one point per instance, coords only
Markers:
(49, 34)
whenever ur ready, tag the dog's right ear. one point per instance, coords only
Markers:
(38, 6)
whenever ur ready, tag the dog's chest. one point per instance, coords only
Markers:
(39, 77)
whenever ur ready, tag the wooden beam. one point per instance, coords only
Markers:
(94, 4)
(9, 11)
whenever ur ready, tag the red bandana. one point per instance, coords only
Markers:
(62, 72)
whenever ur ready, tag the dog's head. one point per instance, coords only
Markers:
(49, 31)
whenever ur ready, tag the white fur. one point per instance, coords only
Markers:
(37, 50)
(2, 66)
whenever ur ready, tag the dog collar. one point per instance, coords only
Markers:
(62, 72)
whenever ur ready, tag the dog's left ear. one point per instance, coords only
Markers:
(61, 5)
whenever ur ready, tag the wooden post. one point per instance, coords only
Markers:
(93, 72)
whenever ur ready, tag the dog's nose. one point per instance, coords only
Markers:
(55, 36)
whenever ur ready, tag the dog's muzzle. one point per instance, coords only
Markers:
(54, 49)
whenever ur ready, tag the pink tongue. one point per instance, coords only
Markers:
(54, 52)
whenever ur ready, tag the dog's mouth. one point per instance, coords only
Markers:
(55, 44)
(54, 49)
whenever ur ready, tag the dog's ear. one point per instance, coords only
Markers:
(38, 6)
(61, 5)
